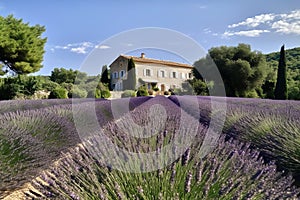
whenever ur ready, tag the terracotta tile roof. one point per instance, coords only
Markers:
(163, 62)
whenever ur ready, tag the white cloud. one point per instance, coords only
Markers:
(80, 48)
(207, 30)
(287, 27)
(102, 47)
(249, 33)
(285, 23)
(292, 15)
(254, 21)
(288, 23)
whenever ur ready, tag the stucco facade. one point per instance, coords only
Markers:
(149, 72)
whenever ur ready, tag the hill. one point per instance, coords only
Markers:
(292, 57)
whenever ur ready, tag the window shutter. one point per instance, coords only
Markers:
(158, 73)
(151, 72)
(176, 73)
(182, 75)
(144, 72)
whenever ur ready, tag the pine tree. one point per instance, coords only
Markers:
(281, 84)
(21, 46)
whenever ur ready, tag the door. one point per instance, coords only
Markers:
(162, 87)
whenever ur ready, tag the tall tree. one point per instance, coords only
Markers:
(21, 46)
(242, 70)
(130, 82)
(281, 84)
(104, 75)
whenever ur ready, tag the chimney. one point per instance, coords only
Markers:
(142, 55)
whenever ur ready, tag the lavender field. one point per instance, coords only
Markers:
(256, 156)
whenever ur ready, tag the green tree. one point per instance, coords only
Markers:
(62, 75)
(21, 46)
(103, 90)
(281, 83)
(104, 75)
(242, 70)
(130, 82)
(59, 93)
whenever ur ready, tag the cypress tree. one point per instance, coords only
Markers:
(104, 76)
(281, 84)
(131, 77)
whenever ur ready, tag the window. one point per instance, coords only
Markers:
(122, 73)
(161, 73)
(148, 72)
(190, 75)
(174, 74)
(115, 75)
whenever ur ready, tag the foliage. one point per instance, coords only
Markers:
(281, 84)
(104, 76)
(199, 87)
(242, 70)
(21, 85)
(62, 75)
(142, 91)
(58, 93)
(156, 89)
(76, 92)
(293, 71)
(103, 90)
(105, 94)
(21, 46)
(128, 93)
(130, 82)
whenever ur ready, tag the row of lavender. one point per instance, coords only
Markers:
(269, 125)
(34, 133)
(155, 152)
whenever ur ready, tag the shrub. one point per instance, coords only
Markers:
(49, 85)
(142, 91)
(105, 93)
(128, 93)
(91, 94)
(76, 92)
(252, 94)
(58, 93)
(156, 89)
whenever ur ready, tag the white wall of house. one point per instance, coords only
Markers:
(166, 76)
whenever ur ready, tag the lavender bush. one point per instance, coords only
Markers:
(231, 171)
(270, 125)
(33, 134)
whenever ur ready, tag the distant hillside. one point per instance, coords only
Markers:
(292, 57)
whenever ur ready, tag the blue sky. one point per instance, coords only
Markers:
(75, 28)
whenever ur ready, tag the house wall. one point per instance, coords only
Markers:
(181, 74)
(117, 66)
(165, 83)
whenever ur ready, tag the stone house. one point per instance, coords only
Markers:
(149, 72)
